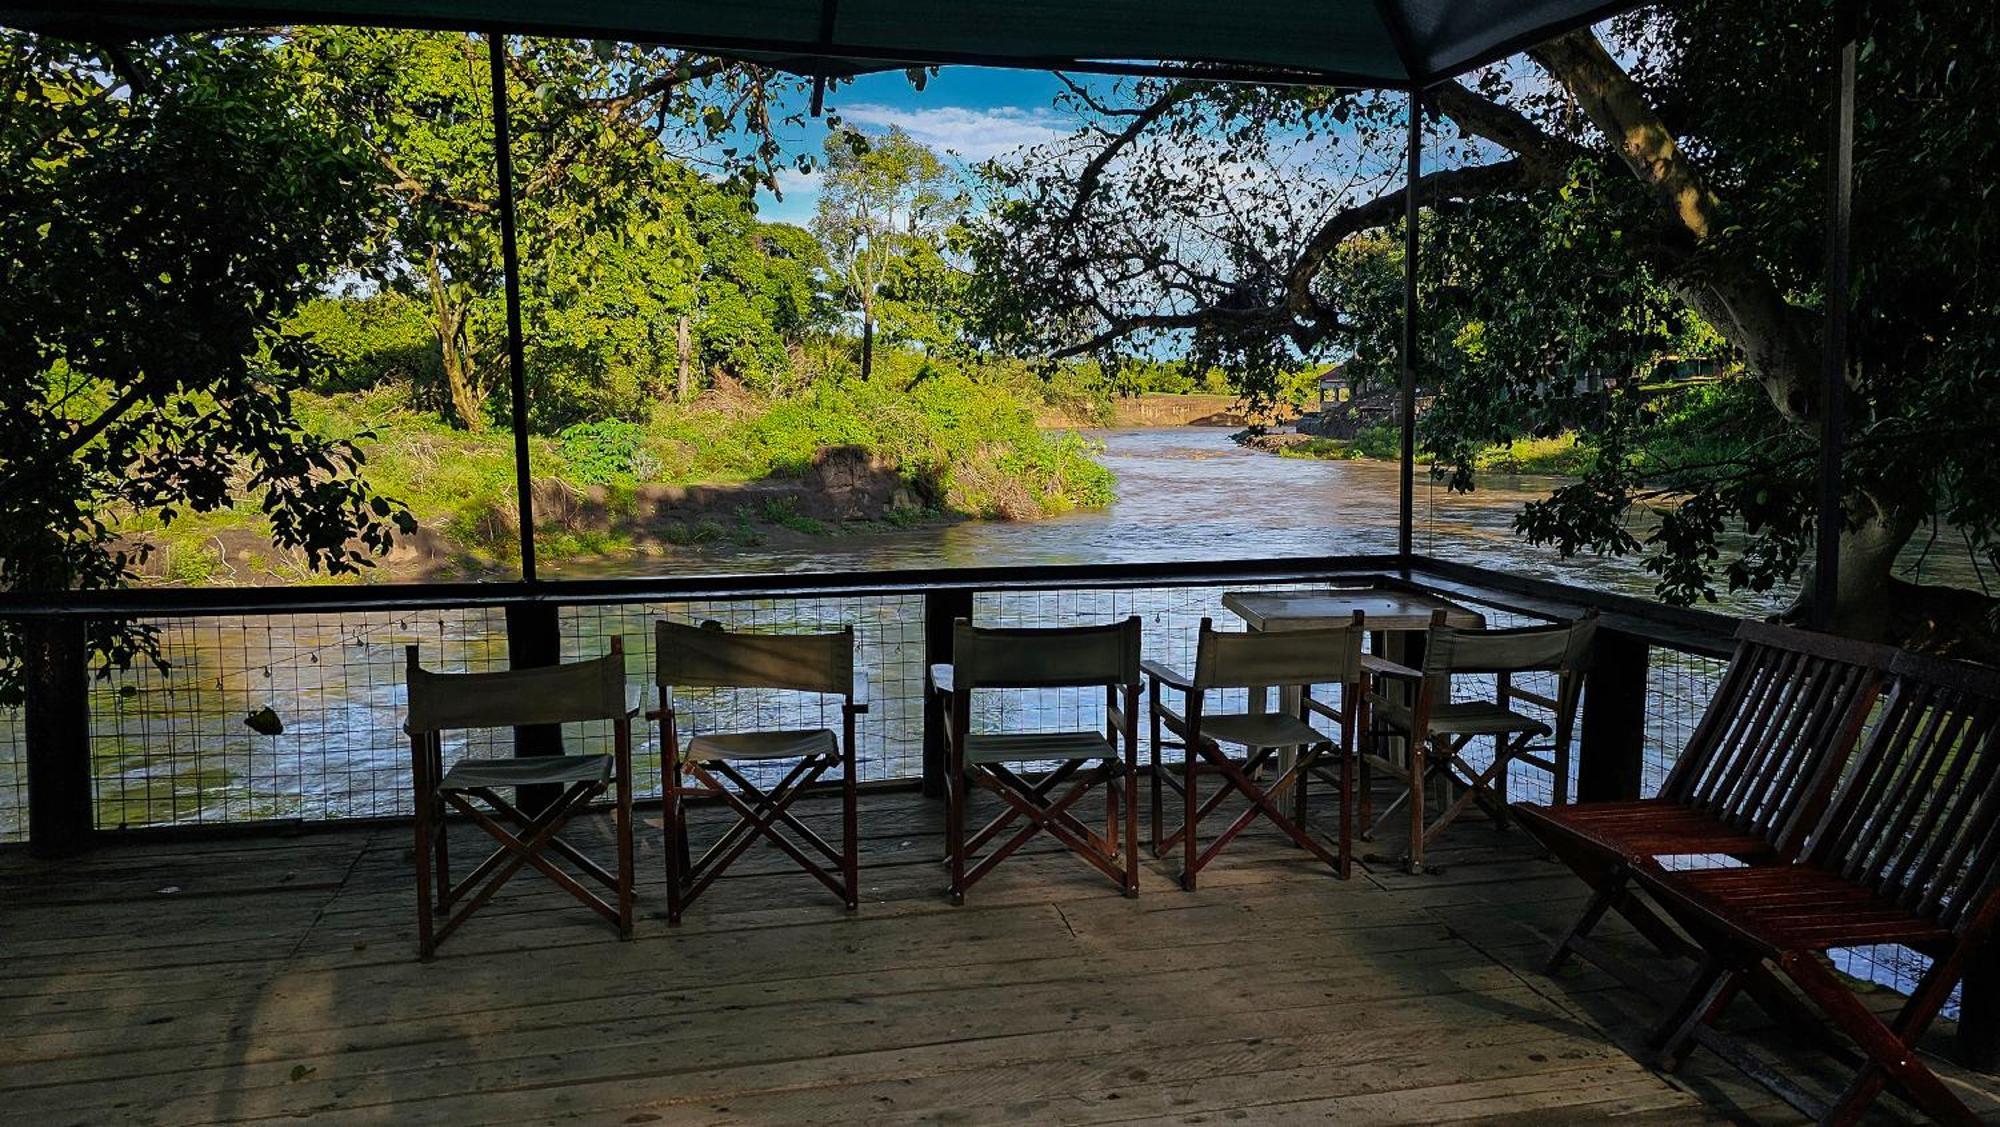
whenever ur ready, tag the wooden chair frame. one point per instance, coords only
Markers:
(1433, 755)
(441, 702)
(1907, 851)
(1104, 657)
(1300, 658)
(1754, 778)
(709, 657)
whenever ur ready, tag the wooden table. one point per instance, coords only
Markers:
(1387, 612)
(1391, 616)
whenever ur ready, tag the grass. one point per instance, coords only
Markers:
(964, 438)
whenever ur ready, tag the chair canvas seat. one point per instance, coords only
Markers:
(1254, 662)
(548, 790)
(1267, 729)
(1467, 718)
(1031, 747)
(762, 745)
(527, 771)
(814, 669)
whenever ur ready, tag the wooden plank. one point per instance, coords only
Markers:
(1275, 993)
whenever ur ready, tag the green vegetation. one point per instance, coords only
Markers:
(964, 438)
(1690, 426)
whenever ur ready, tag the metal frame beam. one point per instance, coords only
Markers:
(1834, 355)
(1407, 404)
(510, 265)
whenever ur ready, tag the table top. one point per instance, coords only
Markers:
(1381, 610)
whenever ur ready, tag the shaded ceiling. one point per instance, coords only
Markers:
(1395, 44)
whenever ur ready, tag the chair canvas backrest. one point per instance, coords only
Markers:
(1917, 817)
(1776, 735)
(709, 657)
(1561, 648)
(1045, 657)
(553, 694)
(1325, 656)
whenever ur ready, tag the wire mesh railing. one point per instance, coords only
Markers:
(13, 778)
(296, 715)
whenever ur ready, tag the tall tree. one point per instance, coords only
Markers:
(596, 124)
(164, 211)
(884, 206)
(1685, 164)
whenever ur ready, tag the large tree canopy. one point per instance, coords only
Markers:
(1612, 199)
(162, 214)
(606, 135)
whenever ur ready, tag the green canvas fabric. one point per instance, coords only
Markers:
(1386, 43)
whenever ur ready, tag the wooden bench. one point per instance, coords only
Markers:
(1755, 775)
(1906, 852)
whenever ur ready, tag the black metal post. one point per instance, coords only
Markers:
(1407, 495)
(1833, 359)
(1611, 740)
(534, 639)
(510, 265)
(941, 609)
(56, 719)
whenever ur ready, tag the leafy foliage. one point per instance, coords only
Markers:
(162, 215)
(1602, 211)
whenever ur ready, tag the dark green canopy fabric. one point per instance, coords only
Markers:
(1386, 43)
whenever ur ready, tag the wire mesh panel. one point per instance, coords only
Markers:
(13, 778)
(889, 651)
(282, 716)
(1170, 623)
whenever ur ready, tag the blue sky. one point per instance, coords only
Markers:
(972, 112)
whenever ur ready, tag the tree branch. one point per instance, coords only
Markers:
(1445, 184)
(1093, 173)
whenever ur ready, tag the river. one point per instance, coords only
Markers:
(175, 748)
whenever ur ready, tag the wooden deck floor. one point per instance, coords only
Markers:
(273, 978)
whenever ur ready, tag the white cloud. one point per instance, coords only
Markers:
(972, 134)
(801, 197)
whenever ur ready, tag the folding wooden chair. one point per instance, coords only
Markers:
(1907, 852)
(1301, 658)
(1436, 729)
(1085, 657)
(1754, 777)
(709, 657)
(557, 694)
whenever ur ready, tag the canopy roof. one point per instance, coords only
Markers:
(1382, 43)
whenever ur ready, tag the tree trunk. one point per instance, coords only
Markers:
(1778, 340)
(684, 352)
(867, 346)
(460, 377)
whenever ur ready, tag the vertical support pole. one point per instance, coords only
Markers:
(57, 726)
(1611, 740)
(1407, 494)
(510, 265)
(941, 609)
(1833, 357)
(534, 639)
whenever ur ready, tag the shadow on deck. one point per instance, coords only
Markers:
(274, 977)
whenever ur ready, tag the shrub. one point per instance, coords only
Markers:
(603, 452)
